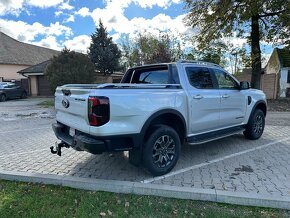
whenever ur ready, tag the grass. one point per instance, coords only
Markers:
(46, 103)
(35, 200)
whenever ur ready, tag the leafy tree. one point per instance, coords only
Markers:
(214, 52)
(148, 49)
(258, 20)
(70, 67)
(103, 52)
(239, 59)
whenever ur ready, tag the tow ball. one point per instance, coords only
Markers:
(58, 147)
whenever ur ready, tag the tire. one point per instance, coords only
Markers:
(161, 150)
(255, 126)
(2, 97)
(23, 95)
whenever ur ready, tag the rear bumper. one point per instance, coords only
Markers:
(96, 145)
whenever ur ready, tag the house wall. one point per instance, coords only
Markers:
(283, 81)
(273, 65)
(268, 83)
(9, 71)
(33, 85)
(244, 77)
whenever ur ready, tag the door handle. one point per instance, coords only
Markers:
(198, 97)
(225, 96)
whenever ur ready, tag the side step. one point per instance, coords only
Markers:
(207, 137)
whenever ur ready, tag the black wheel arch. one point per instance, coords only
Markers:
(262, 105)
(169, 117)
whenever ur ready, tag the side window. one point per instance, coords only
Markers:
(150, 76)
(225, 81)
(199, 77)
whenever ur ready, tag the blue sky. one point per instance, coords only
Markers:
(58, 23)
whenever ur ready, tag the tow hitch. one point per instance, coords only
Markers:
(58, 147)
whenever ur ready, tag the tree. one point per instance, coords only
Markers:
(148, 49)
(257, 20)
(213, 52)
(103, 52)
(70, 67)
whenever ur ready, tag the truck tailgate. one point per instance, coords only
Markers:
(71, 105)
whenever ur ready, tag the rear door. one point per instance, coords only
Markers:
(233, 101)
(10, 90)
(204, 100)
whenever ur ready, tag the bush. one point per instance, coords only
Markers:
(70, 67)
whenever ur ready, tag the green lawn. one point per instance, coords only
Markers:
(47, 103)
(31, 200)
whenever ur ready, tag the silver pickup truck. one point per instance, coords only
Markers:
(155, 109)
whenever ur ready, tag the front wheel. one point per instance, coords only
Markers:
(161, 150)
(255, 126)
(2, 97)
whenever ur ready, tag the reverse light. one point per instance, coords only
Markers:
(98, 110)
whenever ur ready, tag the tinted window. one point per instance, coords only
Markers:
(199, 77)
(150, 76)
(225, 81)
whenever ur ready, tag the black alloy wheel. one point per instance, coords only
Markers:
(161, 150)
(256, 125)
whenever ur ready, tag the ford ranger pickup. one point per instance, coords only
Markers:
(155, 110)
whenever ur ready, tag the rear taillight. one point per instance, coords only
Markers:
(99, 110)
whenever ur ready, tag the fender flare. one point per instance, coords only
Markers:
(163, 112)
(255, 106)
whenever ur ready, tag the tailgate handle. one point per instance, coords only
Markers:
(66, 92)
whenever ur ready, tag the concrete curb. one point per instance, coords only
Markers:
(125, 187)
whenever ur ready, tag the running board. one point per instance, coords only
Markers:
(208, 137)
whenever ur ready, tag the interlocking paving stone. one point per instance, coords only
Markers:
(224, 164)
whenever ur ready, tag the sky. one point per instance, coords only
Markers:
(58, 23)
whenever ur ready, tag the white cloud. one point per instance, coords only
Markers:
(11, 7)
(44, 3)
(122, 25)
(84, 12)
(142, 3)
(57, 13)
(66, 6)
(28, 32)
(15, 7)
(49, 42)
(79, 43)
(71, 18)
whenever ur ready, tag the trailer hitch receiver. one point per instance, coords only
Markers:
(58, 147)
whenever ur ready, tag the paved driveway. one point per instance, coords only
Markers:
(231, 164)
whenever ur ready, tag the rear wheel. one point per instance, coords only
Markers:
(255, 126)
(2, 97)
(161, 150)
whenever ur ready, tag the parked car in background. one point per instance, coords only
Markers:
(10, 90)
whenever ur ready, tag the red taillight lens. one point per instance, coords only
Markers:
(98, 110)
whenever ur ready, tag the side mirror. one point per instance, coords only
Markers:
(244, 85)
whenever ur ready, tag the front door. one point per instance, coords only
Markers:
(204, 100)
(233, 101)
